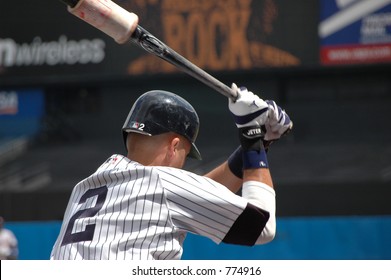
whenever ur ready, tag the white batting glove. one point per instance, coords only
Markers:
(248, 109)
(278, 122)
(250, 114)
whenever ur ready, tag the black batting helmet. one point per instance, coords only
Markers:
(157, 111)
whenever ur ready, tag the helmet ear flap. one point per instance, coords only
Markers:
(156, 112)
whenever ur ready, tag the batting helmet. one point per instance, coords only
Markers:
(157, 111)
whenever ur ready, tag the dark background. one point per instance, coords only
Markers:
(337, 160)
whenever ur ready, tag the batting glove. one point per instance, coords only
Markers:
(250, 114)
(248, 109)
(278, 123)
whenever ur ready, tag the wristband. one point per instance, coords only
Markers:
(251, 138)
(255, 159)
(235, 162)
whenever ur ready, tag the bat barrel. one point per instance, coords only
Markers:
(106, 16)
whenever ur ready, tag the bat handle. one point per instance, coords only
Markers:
(151, 44)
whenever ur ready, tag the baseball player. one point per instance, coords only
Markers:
(8, 243)
(141, 206)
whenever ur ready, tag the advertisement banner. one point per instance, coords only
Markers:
(21, 112)
(9, 103)
(355, 31)
(43, 39)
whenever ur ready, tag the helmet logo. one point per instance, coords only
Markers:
(137, 125)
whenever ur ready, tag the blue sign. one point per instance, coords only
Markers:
(355, 31)
(21, 112)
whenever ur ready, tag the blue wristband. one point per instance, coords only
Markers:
(255, 159)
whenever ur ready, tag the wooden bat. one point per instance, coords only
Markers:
(123, 27)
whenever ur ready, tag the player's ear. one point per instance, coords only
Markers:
(174, 146)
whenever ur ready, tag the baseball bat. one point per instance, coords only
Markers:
(123, 26)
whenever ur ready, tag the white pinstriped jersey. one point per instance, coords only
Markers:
(129, 211)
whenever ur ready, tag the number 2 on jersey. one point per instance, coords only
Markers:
(88, 233)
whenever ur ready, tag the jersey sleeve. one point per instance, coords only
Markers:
(200, 205)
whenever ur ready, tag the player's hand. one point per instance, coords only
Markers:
(278, 122)
(250, 114)
(248, 109)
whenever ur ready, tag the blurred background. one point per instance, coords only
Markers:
(66, 89)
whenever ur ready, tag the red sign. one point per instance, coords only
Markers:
(356, 54)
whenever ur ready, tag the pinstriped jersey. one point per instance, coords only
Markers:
(126, 210)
